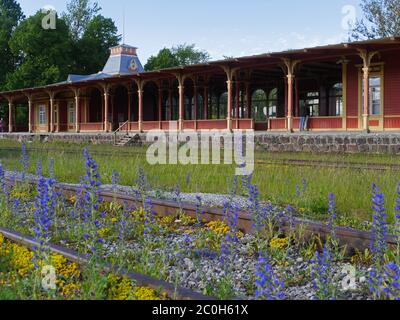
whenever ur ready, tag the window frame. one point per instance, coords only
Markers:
(42, 114)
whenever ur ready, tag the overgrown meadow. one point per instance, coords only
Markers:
(214, 258)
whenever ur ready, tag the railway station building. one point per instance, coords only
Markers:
(344, 87)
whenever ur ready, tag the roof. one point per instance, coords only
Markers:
(118, 65)
(123, 64)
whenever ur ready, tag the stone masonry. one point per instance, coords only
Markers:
(373, 143)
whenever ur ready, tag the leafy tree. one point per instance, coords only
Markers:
(92, 36)
(164, 59)
(92, 50)
(382, 19)
(10, 16)
(45, 55)
(79, 15)
(182, 55)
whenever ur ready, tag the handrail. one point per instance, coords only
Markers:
(120, 129)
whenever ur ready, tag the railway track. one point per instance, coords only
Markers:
(140, 279)
(273, 162)
(351, 238)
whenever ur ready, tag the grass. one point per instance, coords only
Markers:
(306, 188)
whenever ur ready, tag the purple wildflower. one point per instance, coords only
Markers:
(269, 286)
(24, 161)
(45, 206)
(379, 244)
(392, 288)
(322, 274)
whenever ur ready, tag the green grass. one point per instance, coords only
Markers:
(277, 183)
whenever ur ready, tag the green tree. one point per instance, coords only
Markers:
(181, 55)
(381, 19)
(44, 55)
(10, 16)
(79, 15)
(92, 50)
(164, 59)
(92, 36)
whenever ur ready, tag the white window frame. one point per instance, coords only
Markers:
(42, 114)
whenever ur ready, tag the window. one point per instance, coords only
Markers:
(375, 95)
(71, 112)
(312, 103)
(42, 114)
(259, 105)
(273, 103)
(336, 99)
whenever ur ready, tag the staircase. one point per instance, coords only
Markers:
(123, 141)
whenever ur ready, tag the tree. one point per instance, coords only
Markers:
(79, 15)
(164, 59)
(44, 55)
(10, 16)
(382, 19)
(92, 50)
(182, 55)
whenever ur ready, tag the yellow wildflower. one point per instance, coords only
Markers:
(145, 293)
(279, 243)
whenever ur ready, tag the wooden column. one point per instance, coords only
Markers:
(30, 114)
(140, 113)
(77, 111)
(366, 99)
(229, 108)
(181, 106)
(51, 94)
(106, 106)
(367, 58)
(196, 106)
(10, 115)
(290, 66)
(290, 103)
(230, 73)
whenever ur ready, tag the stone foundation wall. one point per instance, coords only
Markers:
(374, 143)
(382, 143)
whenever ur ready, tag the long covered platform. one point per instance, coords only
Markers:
(267, 92)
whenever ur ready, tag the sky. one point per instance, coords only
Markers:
(224, 27)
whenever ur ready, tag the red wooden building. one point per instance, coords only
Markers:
(262, 92)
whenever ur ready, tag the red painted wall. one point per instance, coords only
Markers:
(392, 83)
(352, 88)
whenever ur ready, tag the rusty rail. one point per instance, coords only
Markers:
(352, 238)
(142, 280)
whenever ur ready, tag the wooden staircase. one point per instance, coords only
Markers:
(123, 141)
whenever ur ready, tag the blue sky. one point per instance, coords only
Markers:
(223, 27)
